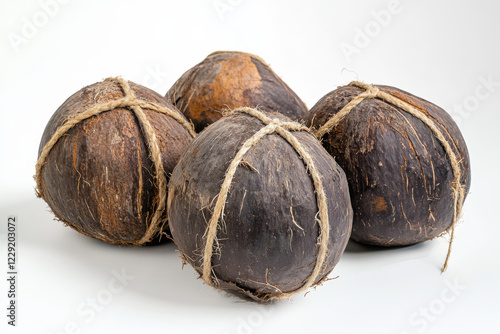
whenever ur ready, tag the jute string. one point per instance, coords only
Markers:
(131, 102)
(283, 129)
(374, 92)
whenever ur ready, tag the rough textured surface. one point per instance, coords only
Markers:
(227, 80)
(98, 178)
(268, 235)
(399, 174)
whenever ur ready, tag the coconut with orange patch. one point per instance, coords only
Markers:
(226, 80)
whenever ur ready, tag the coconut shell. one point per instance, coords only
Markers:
(99, 178)
(268, 236)
(400, 177)
(226, 80)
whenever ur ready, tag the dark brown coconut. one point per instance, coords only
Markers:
(99, 177)
(400, 177)
(226, 80)
(268, 235)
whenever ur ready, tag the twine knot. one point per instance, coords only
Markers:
(276, 122)
(372, 92)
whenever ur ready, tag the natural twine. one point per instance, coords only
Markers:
(137, 105)
(283, 129)
(374, 92)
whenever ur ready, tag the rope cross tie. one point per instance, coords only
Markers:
(372, 92)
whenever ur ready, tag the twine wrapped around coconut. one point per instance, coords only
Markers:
(372, 92)
(283, 129)
(136, 105)
(271, 218)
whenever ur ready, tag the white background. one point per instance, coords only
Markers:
(443, 51)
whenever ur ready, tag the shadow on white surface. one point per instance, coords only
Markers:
(356, 247)
(157, 269)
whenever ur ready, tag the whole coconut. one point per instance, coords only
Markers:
(405, 159)
(258, 207)
(228, 79)
(105, 158)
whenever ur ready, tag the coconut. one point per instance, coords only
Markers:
(105, 158)
(228, 79)
(405, 159)
(258, 207)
